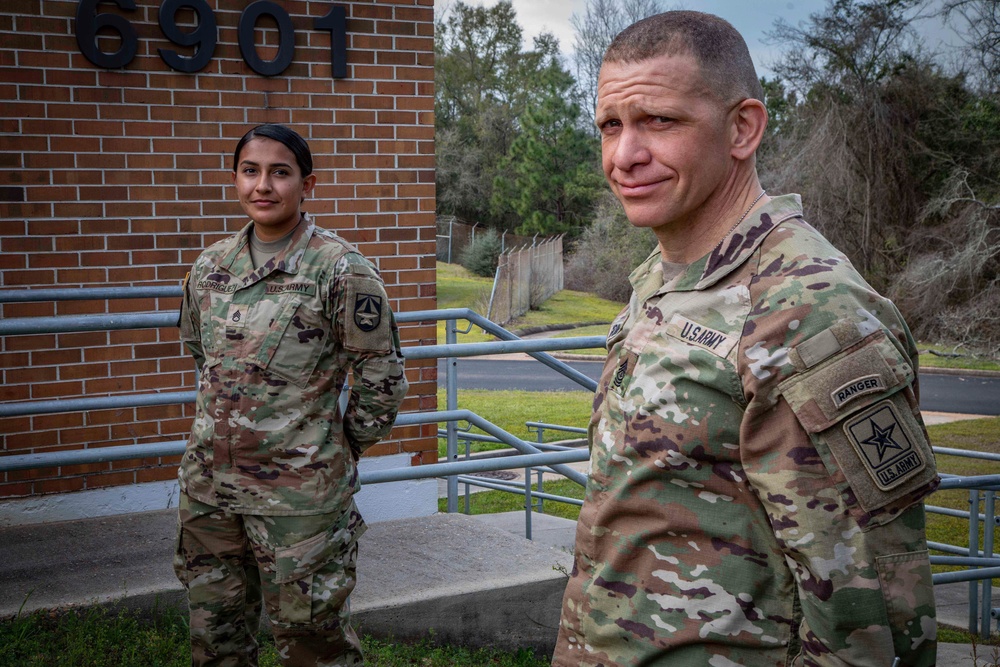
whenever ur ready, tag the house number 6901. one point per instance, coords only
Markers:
(205, 35)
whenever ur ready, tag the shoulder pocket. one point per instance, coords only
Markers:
(367, 319)
(859, 409)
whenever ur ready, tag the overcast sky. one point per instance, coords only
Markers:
(751, 17)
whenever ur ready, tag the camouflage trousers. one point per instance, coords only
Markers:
(302, 568)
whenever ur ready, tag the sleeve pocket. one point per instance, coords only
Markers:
(858, 409)
(905, 580)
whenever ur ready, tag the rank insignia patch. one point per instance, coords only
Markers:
(620, 374)
(887, 450)
(367, 311)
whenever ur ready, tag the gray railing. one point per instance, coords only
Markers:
(535, 458)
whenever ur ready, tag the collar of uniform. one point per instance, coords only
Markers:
(237, 261)
(647, 278)
(740, 243)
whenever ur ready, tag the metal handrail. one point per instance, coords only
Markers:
(530, 455)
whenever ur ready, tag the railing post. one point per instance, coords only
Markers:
(468, 487)
(989, 529)
(541, 489)
(528, 502)
(540, 430)
(451, 235)
(973, 552)
(451, 399)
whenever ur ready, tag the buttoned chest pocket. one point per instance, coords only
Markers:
(295, 340)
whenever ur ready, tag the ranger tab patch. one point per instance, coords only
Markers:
(367, 311)
(887, 450)
(864, 385)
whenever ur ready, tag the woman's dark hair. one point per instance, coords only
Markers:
(290, 138)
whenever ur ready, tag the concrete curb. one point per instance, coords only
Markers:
(967, 372)
(466, 580)
(472, 581)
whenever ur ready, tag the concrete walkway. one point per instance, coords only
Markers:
(474, 580)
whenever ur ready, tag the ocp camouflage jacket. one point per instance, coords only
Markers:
(757, 466)
(274, 346)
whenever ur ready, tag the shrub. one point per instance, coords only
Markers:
(607, 252)
(480, 256)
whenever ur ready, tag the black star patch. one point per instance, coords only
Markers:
(882, 439)
(367, 311)
(886, 449)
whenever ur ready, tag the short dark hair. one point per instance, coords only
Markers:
(290, 138)
(715, 44)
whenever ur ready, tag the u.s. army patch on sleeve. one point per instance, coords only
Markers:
(367, 311)
(886, 447)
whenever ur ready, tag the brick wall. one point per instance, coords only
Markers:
(120, 177)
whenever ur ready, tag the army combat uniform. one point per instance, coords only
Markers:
(757, 466)
(270, 469)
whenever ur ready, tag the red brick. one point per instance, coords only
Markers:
(15, 490)
(59, 485)
(164, 474)
(110, 479)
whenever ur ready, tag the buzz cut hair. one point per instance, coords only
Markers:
(719, 49)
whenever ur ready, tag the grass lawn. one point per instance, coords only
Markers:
(981, 435)
(928, 360)
(457, 288)
(96, 637)
(511, 409)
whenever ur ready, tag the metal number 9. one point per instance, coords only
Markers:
(204, 37)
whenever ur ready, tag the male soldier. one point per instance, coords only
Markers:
(757, 455)
(275, 317)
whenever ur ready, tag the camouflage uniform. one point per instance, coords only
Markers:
(269, 472)
(757, 465)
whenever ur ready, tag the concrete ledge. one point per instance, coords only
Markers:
(470, 582)
(473, 584)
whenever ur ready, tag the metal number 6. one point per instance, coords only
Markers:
(89, 22)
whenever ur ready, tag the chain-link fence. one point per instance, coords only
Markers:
(525, 278)
(454, 236)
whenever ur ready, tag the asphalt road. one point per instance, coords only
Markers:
(938, 393)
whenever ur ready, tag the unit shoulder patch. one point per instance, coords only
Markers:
(367, 311)
(367, 322)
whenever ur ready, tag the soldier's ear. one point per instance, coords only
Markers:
(748, 121)
(308, 183)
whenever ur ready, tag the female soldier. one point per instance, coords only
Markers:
(275, 317)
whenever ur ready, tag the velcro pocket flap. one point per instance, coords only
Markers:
(301, 559)
(846, 383)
